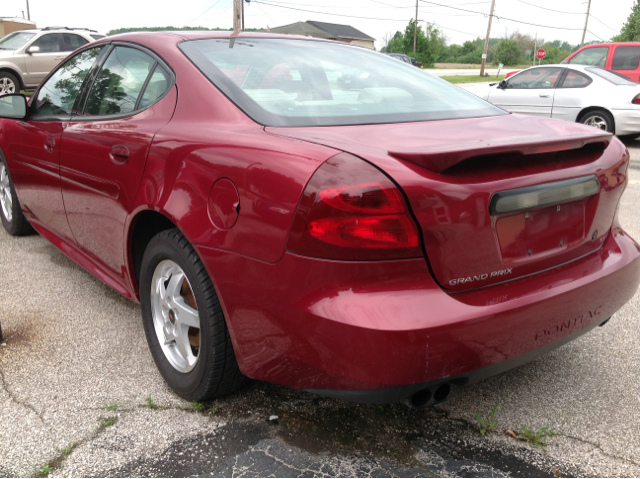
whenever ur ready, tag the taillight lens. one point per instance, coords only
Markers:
(636, 99)
(350, 210)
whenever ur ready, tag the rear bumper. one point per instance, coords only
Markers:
(351, 329)
(627, 121)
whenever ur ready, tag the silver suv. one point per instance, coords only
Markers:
(27, 56)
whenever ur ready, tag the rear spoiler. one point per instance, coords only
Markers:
(438, 158)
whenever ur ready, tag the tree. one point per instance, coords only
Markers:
(508, 52)
(630, 31)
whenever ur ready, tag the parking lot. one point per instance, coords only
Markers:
(80, 396)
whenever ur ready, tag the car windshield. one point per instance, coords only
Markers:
(613, 77)
(281, 82)
(15, 40)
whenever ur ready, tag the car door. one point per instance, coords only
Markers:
(40, 63)
(626, 60)
(34, 144)
(572, 94)
(104, 150)
(529, 92)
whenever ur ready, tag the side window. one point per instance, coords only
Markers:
(49, 43)
(119, 83)
(60, 92)
(626, 58)
(157, 86)
(595, 56)
(71, 42)
(575, 80)
(535, 78)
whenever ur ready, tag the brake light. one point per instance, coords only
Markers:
(350, 210)
(636, 99)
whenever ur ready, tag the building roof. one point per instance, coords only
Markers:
(322, 30)
(340, 31)
(17, 20)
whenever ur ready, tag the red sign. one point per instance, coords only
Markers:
(541, 53)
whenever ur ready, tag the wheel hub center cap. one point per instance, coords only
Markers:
(172, 316)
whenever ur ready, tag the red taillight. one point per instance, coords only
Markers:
(350, 210)
(636, 99)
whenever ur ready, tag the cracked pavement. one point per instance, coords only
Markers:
(76, 360)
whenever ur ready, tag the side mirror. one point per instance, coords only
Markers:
(33, 49)
(13, 106)
(503, 84)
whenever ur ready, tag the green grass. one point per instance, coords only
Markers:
(472, 78)
(197, 406)
(487, 423)
(27, 93)
(112, 407)
(536, 438)
(106, 423)
(44, 472)
(150, 403)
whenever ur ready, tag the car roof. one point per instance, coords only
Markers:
(60, 30)
(186, 35)
(612, 44)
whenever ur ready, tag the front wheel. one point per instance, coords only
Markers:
(183, 321)
(600, 119)
(8, 84)
(13, 219)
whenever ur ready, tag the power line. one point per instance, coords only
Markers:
(204, 12)
(551, 9)
(325, 13)
(595, 35)
(500, 18)
(603, 23)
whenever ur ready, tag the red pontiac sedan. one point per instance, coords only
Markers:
(317, 215)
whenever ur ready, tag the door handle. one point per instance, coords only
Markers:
(119, 154)
(49, 145)
(544, 95)
(58, 58)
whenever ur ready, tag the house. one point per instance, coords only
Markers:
(10, 25)
(330, 31)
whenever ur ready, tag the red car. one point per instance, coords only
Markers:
(622, 58)
(317, 215)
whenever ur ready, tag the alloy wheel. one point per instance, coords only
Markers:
(175, 316)
(7, 86)
(6, 200)
(597, 121)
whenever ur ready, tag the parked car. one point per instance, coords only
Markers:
(378, 245)
(27, 56)
(623, 58)
(583, 94)
(405, 58)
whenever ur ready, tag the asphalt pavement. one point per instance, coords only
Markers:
(80, 396)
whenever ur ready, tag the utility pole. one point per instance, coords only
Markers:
(243, 16)
(486, 40)
(237, 16)
(415, 29)
(28, 14)
(586, 20)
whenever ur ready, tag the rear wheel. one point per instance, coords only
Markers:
(13, 219)
(183, 321)
(600, 119)
(8, 83)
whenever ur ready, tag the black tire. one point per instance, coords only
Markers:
(601, 119)
(6, 79)
(17, 225)
(216, 371)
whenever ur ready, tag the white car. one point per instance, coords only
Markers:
(580, 93)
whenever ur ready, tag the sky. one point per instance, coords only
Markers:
(459, 20)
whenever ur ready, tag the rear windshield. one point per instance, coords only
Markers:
(281, 82)
(614, 77)
(15, 40)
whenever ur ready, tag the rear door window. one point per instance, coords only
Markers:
(626, 58)
(575, 79)
(119, 83)
(71, 42)
(596, 56)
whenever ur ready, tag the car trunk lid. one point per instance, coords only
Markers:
(496, 198)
